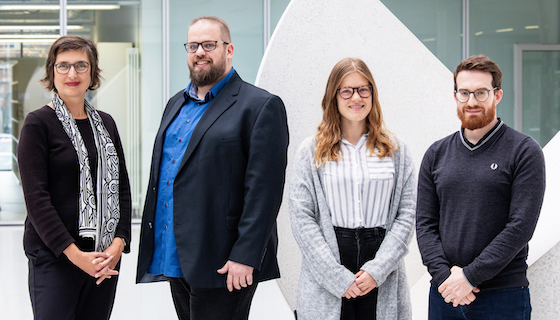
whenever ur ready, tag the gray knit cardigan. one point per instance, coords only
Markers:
(323, 280)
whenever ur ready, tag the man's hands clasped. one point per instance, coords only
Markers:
(456, 289)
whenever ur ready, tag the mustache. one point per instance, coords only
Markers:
(202, 58)
(473, 108)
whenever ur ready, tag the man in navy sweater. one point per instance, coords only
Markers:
(480, 192)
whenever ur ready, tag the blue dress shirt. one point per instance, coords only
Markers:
(165, 260)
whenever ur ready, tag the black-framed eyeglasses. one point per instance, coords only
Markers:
(480, 95)
(347, 92)
(79, 67)
(192, 47)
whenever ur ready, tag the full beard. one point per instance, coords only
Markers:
(202, 79)
(478, 121)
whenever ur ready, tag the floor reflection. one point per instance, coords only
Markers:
(133, 301)
(12, 204)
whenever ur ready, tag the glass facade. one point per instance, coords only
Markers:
(540, 94)
(499, 29)
(26, 33)
(436, 23)
(144, 62)
(496, 26)
(132, 55)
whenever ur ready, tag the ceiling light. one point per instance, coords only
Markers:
(429, 40)
(93, 7)
(531, 27)
(478, 33)
(29, 36)
(26, 40)
(57, 7)
(35, 27)
(29, 7)
(504, 30)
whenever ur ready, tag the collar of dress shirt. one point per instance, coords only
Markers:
(191, 91)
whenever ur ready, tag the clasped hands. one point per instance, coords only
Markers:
(361, 286)
(99, 265)
(456, 289)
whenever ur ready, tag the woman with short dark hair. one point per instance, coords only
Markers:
(76, 190)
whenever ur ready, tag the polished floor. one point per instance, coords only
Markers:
(133, 301)
(12, 205)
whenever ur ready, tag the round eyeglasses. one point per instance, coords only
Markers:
(192, 47)
(347, 92)
(79, 67)
(480, 95)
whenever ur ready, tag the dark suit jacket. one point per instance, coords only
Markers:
(228, 188)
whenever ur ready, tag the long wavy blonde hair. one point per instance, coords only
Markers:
(329, 132)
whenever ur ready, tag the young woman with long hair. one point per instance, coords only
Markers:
(352, 203)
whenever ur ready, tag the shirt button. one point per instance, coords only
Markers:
(173, 160)
(188, 120)
(167, 182)
(165, 227)
(165, 205)
(180, 140)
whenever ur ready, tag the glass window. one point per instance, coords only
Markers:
(437, 23)
(128, 34)
(26, 34)
(114, 27)
(277, 8)
(245, 20)
(541, 94)
(495, 28)
(497, 25)
(151, 92)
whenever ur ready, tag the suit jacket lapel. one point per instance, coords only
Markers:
(225, 98)
(175, 106)
(168, 118)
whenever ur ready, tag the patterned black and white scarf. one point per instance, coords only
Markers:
(98, 216)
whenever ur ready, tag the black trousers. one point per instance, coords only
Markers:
(356, 247)
(60, 290)
(210, 304)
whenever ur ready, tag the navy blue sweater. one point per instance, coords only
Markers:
(477, 207)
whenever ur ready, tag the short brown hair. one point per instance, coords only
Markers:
(69, 43)
(224, 29)
(481, 63)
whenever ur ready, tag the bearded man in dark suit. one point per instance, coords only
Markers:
(216, 182)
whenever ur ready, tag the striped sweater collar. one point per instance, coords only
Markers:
(484, 139)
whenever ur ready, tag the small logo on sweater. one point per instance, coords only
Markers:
(494, 166)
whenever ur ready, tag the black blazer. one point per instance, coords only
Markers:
(228, 187)
(50, 177)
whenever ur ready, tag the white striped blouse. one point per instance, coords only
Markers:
(358, 186)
